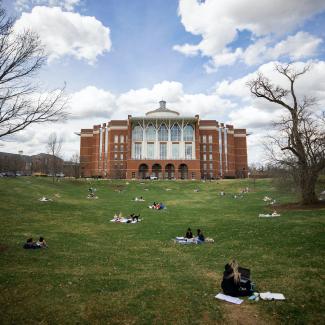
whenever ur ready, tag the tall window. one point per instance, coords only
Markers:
(121, 138)
(163, 151)
(188, 150)
(204, 156)
(188, 133)
(150, 150)
(204, 147)
(210, 147)
(210, 138)
(151, 133)
(137, 150)
(115, 138)
(175, 150)
(163, 133)
(204, 138)
(137, 133)
(176, 133)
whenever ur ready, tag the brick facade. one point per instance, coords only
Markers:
(165, 145)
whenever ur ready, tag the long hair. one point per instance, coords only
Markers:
(234, 265)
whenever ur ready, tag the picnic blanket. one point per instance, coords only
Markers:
(261, 215)
(187, 241)
(124, 220)
(44, 199)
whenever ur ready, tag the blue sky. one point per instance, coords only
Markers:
(197, 55)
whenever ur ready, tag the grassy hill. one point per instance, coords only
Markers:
(98, 272)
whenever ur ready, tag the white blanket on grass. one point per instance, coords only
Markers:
(124, 220)
(269, 215)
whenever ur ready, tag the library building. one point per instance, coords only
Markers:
(163, 144)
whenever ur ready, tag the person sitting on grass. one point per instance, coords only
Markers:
(135, 218)
(30, 244)
(41, 243)
(200, 237)
(189, 234)
(231, 284)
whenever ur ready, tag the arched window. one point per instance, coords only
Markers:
(151, 133)
(163, 133)
(188, 133)
(137, 134)
(176, 133)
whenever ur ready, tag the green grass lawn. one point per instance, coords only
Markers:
(98, 272)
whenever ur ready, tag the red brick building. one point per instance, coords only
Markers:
(164, 144)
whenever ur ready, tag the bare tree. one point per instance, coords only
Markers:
(75, 160)
(54, 145)
(21, 104)
(299, 145)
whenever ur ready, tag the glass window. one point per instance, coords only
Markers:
(121, 156)
(137, 150)
(210, 147)
(210, 138)
(204, 156)
(210, 156)
(204, 139)
(163, 151)
(150, 150)
(115, 156)
(163, 133)
(115, 147)
(116, 139)
(175, 150)
(137, 133)
(188, 150)
(151, 133)
(122, 138)
(176, 133)
(205, 166)
(188, 133)
(121, 147)
(204, 148)
(211, 166)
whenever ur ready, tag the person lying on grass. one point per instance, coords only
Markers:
(30, 244)
(231, 284)
(157, 206)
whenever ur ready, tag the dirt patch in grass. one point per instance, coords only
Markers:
(3, 248)
(298, 206)
(244, 314)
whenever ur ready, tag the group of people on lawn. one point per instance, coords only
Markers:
(31, 244)
(157, 206)
(199, 236)
(131, 218)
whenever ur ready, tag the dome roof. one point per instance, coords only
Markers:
(162, 111)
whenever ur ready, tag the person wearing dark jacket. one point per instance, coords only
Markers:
(231, 284)
(189, 234)
(200, 237)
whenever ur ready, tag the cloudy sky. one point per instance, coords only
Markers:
(121, 57)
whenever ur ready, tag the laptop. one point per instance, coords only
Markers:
(245, 274)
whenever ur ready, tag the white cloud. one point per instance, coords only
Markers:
(69, 5)
(66, 33)
(218, 23)
(299, 46)
(91, 102)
